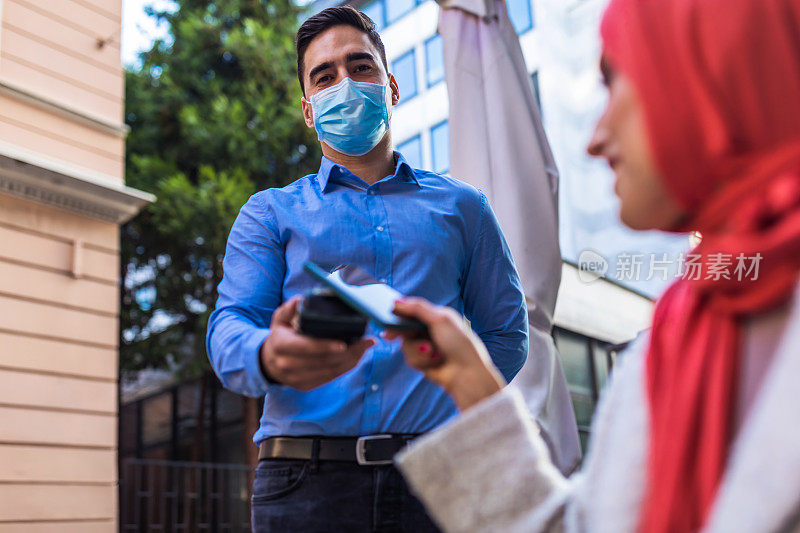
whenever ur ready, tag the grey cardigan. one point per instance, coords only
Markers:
(489, 470)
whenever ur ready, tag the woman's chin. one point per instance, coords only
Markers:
(656, 217)
(638, 220)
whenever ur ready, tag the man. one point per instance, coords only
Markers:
(334, 415)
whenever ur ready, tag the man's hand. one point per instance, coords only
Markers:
(302, 362)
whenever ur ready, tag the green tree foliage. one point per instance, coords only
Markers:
(214, 116)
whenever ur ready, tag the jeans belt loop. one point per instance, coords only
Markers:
(315, 444)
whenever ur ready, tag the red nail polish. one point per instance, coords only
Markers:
(424, 348)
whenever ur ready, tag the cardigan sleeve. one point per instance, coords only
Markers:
(488, 470)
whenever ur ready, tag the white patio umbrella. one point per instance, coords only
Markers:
(498, 144)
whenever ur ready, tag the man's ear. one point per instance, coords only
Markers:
(395, 89)
(308, 113)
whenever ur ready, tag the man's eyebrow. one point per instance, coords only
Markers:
(319, 68)
(357, 56)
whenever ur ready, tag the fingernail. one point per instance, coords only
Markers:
(424, 347)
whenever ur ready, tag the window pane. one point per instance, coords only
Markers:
(583, 434)
(405, 71)
(156, 419)
(127, 428)
(600, 364)
(375, 11)
(574, 354)
(434, 60)
(440, 148)
(188, 408)
(584, 409)
(519, 11)
(412, 151)
(397, 8)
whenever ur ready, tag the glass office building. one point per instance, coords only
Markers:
(417, 63)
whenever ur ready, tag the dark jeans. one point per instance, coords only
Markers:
(293, 497)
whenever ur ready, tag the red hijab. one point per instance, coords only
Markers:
(719, 82)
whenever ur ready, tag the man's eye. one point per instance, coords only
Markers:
(363, 68)
(323, 79)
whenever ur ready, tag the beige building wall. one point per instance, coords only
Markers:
(62, 198)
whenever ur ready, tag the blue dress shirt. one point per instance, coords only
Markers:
(425, 234)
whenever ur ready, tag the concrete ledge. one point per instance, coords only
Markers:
(602, 309)
(35, 177)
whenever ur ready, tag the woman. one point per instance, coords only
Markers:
(698, 429)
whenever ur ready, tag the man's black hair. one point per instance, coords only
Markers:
(328, 18)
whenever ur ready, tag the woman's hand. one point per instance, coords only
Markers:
(454, 357)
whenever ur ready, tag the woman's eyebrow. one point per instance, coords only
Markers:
(606, 70)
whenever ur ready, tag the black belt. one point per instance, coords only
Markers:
(367, 451)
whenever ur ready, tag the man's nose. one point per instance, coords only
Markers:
(341, 73)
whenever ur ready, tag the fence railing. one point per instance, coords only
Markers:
(184, 496)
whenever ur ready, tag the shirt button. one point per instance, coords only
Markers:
(382, 280)
(374, 387)
(379, 228)
(371, 191)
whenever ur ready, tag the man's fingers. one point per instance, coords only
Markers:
(285, 312)
(391, 334)
(405, 334)
(348, 358)
(311, 379)
(303, 346)
(319, 352)
(309, 373)
(362, 345)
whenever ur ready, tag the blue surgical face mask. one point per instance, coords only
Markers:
(352, 116)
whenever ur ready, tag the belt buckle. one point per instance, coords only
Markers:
(361, 450)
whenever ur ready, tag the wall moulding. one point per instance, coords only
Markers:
(34, 177)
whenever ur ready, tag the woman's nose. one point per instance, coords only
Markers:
(598, 141)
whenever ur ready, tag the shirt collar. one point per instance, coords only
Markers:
(329, 170)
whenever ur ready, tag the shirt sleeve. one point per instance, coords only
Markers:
(494, 302)
(251, 289)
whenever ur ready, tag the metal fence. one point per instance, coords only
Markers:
(184, 496)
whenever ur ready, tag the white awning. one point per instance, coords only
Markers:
(498, 144)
